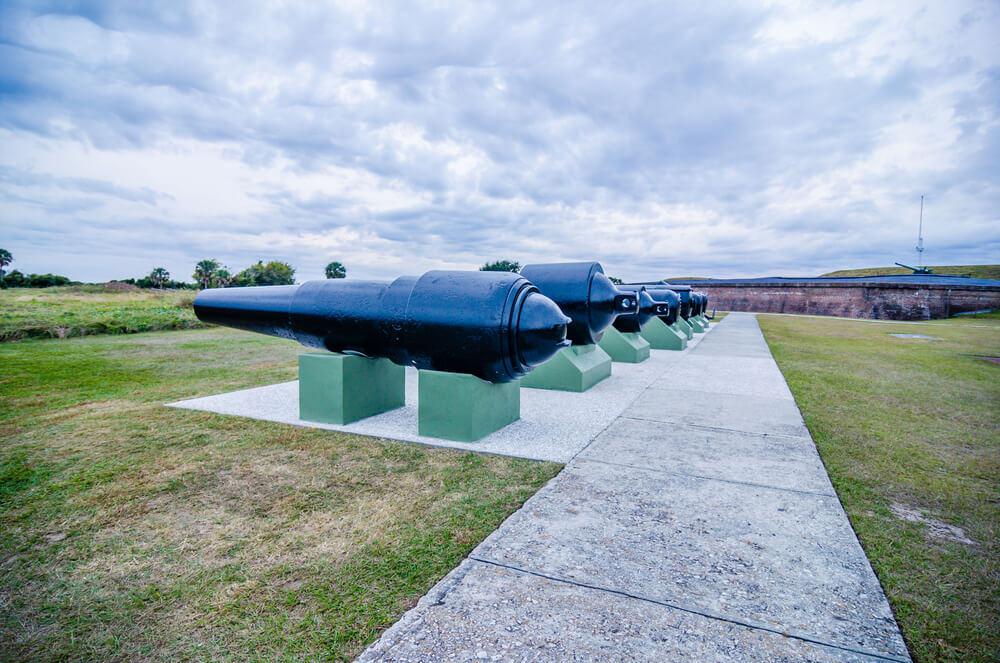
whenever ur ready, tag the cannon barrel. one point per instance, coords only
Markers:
(683, 291)
(494, 325)
(585, 294)
(702, 303)
(916, 270)
(649, 308)
(663, 296)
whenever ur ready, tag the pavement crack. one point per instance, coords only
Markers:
(694, 611)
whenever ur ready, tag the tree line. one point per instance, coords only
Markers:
(208, 273)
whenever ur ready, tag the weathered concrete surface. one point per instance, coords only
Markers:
(699, 526)
(532, 618)
(778, 558)
(778, 461)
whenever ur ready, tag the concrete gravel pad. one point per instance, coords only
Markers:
(698, 526)
(554, 425)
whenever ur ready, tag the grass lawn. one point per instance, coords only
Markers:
(134, 531)
(909, 430)
(90, 309)
(975, 271)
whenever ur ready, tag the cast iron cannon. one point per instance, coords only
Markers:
(586, 295)
(649, 308)
(702, 304)
(494, 325)
(663, 296)
(686, 307)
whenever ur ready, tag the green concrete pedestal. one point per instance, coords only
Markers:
(628, 348)
(662, 337)
(576, 368)
(683, 327)
(696, 325)
(339, 389)
(460, 407)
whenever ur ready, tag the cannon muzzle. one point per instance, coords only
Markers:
(494, 325)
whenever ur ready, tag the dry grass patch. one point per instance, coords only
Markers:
(139, 532)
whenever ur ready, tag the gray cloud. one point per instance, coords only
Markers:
(659, 139)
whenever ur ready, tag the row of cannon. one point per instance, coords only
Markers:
(497, 326)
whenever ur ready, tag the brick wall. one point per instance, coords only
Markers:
(851, 300)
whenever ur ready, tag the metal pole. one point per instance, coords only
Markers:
(920, 236)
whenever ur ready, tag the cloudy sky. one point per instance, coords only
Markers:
(661, 138)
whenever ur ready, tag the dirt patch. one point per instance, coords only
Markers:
(935, 528)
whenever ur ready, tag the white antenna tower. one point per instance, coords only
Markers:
(920, 236)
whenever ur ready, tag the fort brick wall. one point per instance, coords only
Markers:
(879, 301)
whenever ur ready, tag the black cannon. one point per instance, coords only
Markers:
(649, 308)
(686, 307)
(494, 325)
(663, 296)
(702, 304)
(586, 295)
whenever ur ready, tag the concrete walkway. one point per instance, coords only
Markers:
(699, 526)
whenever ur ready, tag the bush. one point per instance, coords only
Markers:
(273, 273)
(502, 266)
(18, 280)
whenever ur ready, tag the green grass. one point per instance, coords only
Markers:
(911, 424)
(86, 310)
(134, 531)
(975, 271)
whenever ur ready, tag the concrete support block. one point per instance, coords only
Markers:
(339, 389)
(696, 325)
(663, 337)
(464, 408)
(577, 368)
(683, 326)
(629, 348)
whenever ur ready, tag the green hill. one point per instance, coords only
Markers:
(975, 271)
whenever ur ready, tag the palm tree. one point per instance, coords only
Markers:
(335, 271)
(158, 277)
(204, 271)
(6, 258)
(221, 278)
